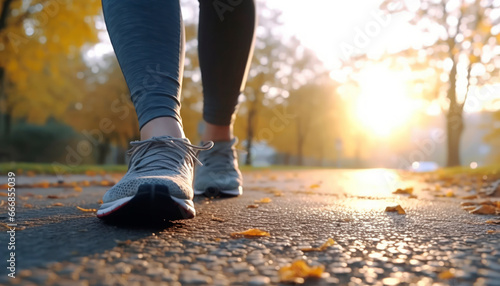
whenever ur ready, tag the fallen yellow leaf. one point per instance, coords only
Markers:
(448, 274)
(86, 210)
(450, 194)
(263, 201)
(78, 189)
(397, 209)
(314, 186)
(298, 271)
(253, 232)
(323, 247)
(407, 191)
(57, 204)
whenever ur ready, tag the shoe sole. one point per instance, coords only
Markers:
(152, 202)
(214, 192)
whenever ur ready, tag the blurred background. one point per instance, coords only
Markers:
(348, 84)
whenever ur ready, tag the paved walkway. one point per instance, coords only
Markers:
(435, 242)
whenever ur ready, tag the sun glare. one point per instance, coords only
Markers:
(383, 104)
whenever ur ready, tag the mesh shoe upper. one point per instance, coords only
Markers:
(161, 160)
(219, 169)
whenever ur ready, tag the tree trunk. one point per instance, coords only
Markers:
(454, 122)
(250, 133)
(103, 151)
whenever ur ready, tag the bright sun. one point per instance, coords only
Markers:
(383, 104)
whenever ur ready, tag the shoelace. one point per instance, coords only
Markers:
(150, 154)
(226, 157)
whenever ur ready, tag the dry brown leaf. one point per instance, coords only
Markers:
(28, 206)
(397, 209)
(253, 232)
(323, 247)
(263, 201)
(2, 194)
(123, 242)
(86, 210)
(469, 197)
(493, 221)
(53, 197)
(30, 174)
(2, 202)
(466, 204)
(252, 206)
(57, 204)
(298, 271)
(4, 186)
(406, 191)
(492, 231)
(412, 196)
(483, 209)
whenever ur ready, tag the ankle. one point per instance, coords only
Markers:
(162, 126)
(217, 132)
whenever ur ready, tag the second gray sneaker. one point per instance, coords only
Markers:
(219, 174)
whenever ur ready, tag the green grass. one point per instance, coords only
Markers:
(47, 168)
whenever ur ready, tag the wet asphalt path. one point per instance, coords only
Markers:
(62, 245)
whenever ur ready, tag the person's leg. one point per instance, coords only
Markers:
(226, 36)
(148, 39)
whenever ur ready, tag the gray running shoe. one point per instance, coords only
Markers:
(158, 183)
(219, 174)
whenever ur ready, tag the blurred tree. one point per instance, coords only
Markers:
(462, 52)
(104, 113)
(40, 44)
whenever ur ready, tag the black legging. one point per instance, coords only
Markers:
(148, 39)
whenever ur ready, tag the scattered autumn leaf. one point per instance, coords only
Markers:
(123, 242)
(52, 197)
(448, 274)
(314, 186)
(407, 191)
(90, 173)
(298, 271)
(278, 194)
(28, 206)
(466, 204)
(492, 231)
(2, 202)
(78, 189)
(2, 194)
(106, 183)
(493, 221)
(86, 210)
(253, 232)
(469, 197)
(450, 194)
(396, 208)
(483, 209)
(100, 202)
(57, 204)
(263, 201)
(85, 183)
(30, 174)
(214, 218)
(4, 186)
(323, 247)
(252, 206)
